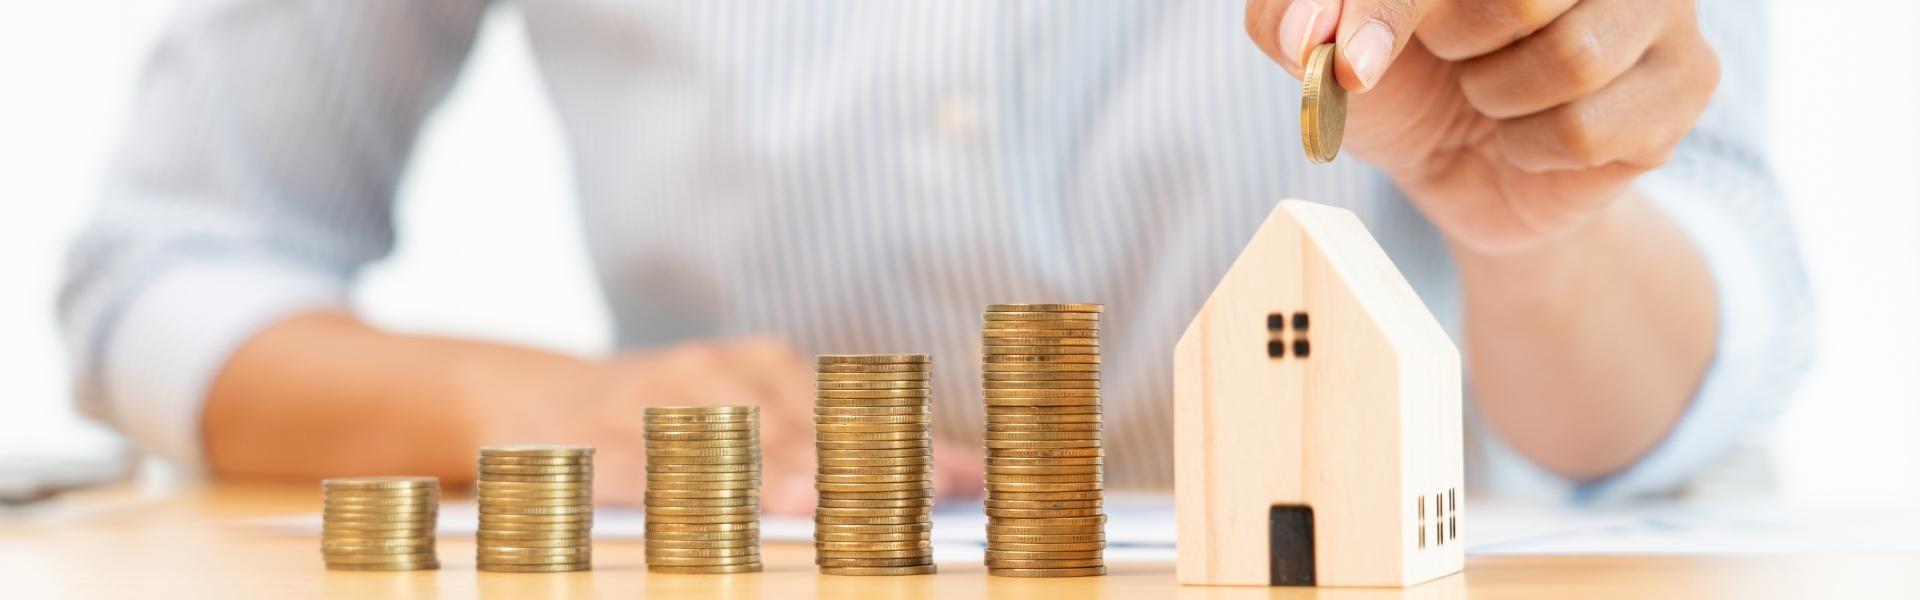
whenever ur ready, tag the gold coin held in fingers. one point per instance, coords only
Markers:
(1323, 107)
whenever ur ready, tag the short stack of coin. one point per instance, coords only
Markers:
(873, 429)
(379, 523)
(536, 509)
(703, 489)
(1041, 374)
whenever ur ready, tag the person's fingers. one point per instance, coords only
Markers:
(1637, 118)
(783, 380)
(1577, 55)
(1460, 30)
(1371, 34)
(1287, 29)
(958, 470)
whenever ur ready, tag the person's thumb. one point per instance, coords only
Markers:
(1371, 34)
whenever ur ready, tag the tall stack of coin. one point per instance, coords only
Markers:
(703, 489)
(536, 509)
(873, 428)
(1042, 387)
(379, 523)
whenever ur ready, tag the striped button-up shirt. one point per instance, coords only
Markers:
(855, 176)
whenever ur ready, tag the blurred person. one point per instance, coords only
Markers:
(762, 181)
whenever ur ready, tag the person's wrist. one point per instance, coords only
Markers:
(1544, 272)
(509, 394)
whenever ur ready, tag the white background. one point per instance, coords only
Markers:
(490, 243)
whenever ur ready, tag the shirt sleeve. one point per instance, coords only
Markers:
(255, 177)
(1721, 191)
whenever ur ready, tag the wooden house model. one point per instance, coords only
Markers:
(1317, 417)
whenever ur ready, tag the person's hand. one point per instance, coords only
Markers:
(602, 404)
(1508, 122)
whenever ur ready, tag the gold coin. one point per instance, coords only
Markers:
(871, 546)
(1042, 487)
(843, 420)
(918, 527)
(566, 559)
(662, 411)
(1014, 332)
(914, 393)
(1041, 504)
(349, 559)
(1048, 470)
(740, 542)
(486, 469)
(923, 460)
(838, 428)
(742, 511)
(700, 519)
(1043, 414)
(664, 490)
(556, 568)
(873, 368)
(874, 563)
(1071, 423)
(1043, 307)
(1038, 316)
(1084, 435)
(903, 376)
(874, 554)
(396, 566)
(1093, 392)
(584, 517)
(854, 412)
(844, 457)
(871, 359)
(717, 459)
(487, 508)
(872, 385)
(871, 478)
(1030, 376)
(824, 520)
(710, 570)
(1046, 539)
(537, 450)
(1040, 444)
(340, 517)
(704, 502)
(678, 561)
(1040, 325)
(491, 500)
(396, 546)
(1083, 572)
(1323, 106)
(509, 536)
(722, 527)
(880, 495)
(1023, 368)
(1060, 531)
(1018, 513)
(834, 512)
(703, 478)
(701, 437)
(872, 537)
(567, 542)
(550, 461)
(1046, 564)
(1026, 359)
(492, 552)
(705, 537)
(724, 467)
(702, 552)
(870, 436)
(837, 403)
(1040, 341)
(379, 483)
(1067, 522)
(924, 468)
(1040, 350)
(329, 526)
(1050, 497)
(655, 430)
(1085, 384)
(1047, 453)
(880, 571)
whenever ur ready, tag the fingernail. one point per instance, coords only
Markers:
(1295, 28)
(1368, 51)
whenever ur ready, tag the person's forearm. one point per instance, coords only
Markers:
(1583, 352)
(323, 395)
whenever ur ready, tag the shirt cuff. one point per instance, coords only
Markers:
(172, 337)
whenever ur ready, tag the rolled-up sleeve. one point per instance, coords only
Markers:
(1720, 190)
(255, 178)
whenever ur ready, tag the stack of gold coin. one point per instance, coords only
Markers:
(536, 509)
(379, 523)
(873, 428)
(703, 489)
(1041, 374)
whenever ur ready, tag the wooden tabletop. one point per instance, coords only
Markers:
(189, 545)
